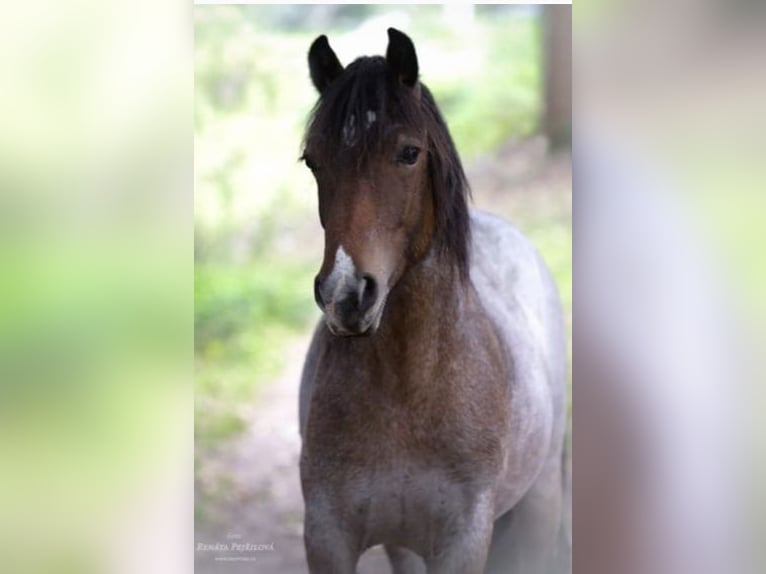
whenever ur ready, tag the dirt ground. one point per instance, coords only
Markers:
(259, 509)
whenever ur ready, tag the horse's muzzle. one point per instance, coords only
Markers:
(351, 304)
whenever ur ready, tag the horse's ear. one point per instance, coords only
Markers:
(401, 57)
(323, 64)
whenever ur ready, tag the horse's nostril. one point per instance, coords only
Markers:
(368, 293)
(318, 292)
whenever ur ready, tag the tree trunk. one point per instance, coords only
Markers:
(557, 48)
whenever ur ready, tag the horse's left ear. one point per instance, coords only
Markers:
(401, 57)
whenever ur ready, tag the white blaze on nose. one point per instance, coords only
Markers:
(342, 270)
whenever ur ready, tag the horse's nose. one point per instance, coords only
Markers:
(347, 301)
(318, 292)
(368, 293)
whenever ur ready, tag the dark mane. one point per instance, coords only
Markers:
(366, 85)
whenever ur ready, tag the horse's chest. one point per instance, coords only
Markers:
(398, 469)
(406, 503)
(452, 416)
(403, 447)
(371, 428)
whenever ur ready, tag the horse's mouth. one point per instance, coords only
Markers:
(365, 327)
(342, 324)
(340, 331)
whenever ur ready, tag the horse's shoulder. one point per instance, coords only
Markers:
(496, 240)
(519, 295)
(504, 262)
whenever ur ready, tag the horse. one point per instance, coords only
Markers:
(432, 399)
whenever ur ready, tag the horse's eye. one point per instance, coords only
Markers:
(408, 155)
(310, 163)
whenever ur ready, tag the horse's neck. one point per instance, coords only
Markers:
(421, 316)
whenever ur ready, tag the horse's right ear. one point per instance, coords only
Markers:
(323, 64)
(401, 57)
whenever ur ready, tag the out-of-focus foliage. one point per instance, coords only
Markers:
(95, 272)
(242, 316)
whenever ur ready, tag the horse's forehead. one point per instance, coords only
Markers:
(350, 127)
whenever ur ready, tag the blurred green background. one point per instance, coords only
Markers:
(95, 284)
(258, 243)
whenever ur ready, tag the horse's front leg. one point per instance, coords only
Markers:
(404, 561)
(529, 537)
(464, 549)
(330, 548)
